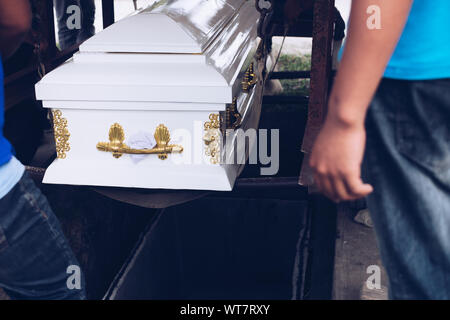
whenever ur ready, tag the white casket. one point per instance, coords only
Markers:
(147, 101)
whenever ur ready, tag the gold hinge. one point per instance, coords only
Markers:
(250, 79)
(212, 138)
(61, 134)
(118, 148)
(233, 118)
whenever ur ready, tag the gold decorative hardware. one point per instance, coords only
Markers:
(250, 79)
(61, 133)
(118, 148)
(232, 116)
(212, 138)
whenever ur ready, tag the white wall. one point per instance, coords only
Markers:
(344, 7)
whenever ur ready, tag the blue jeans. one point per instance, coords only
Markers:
(69, 37)
(34, 254)
(407, 161)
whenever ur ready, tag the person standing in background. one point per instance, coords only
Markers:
(70, 34)
(389, 113)
(34, 254)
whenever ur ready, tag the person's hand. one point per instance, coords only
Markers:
(336, 161)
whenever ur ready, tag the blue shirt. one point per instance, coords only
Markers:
(5, 147)
(423, 51)
(11, 170)
(10, 174)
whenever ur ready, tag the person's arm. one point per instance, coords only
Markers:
(338, 151)
(15, 22)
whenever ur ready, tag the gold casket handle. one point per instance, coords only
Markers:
(118, 148)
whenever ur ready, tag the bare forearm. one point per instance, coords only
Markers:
(15, 21)
(366, 55)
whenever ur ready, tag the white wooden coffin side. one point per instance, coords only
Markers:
(89, 122)
(96, 89)
(85, 165)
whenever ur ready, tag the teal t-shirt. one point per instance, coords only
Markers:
(423, 51)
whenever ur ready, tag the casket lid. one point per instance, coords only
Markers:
(175, 26)
(134, 82)
(130, 72)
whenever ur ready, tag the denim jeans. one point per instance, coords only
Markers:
(34, 254)
(407, 161)
(69, 37)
